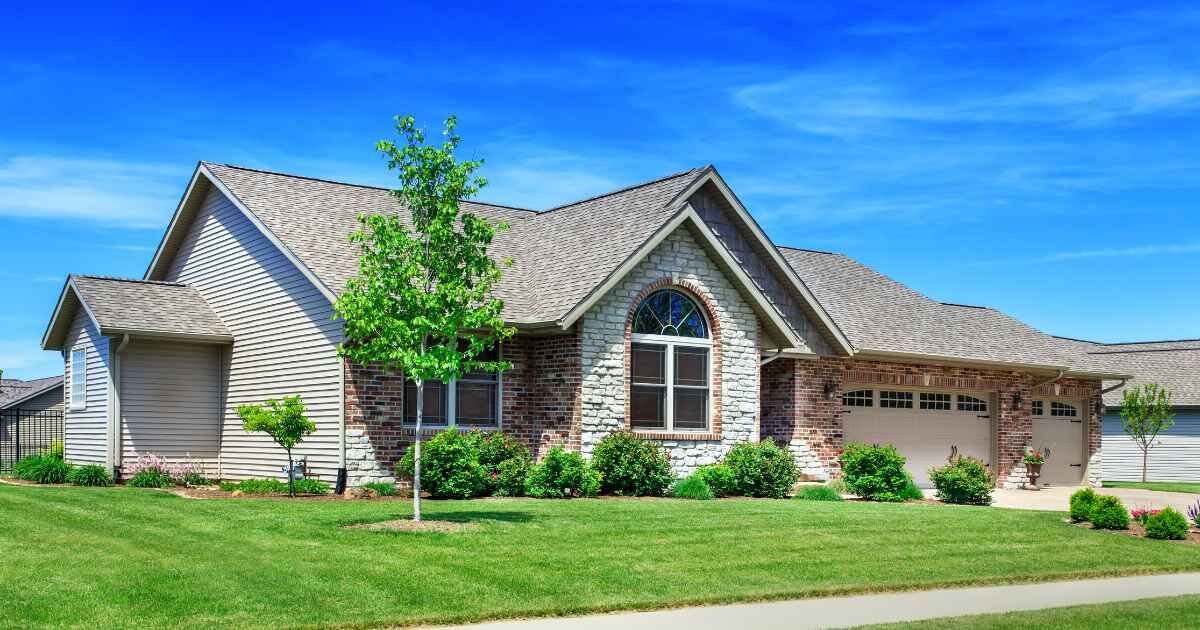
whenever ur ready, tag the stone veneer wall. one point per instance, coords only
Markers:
(540, 405)
(678, 261)
(796, 412)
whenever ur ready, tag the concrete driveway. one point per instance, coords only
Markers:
(1059, 498)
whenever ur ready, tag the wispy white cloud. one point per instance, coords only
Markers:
(111, 192)
(130, 248)
(24, 359)
(1124, 252)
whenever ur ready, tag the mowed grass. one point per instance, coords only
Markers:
(103, 557)
(1158, 613)
(1192, 487)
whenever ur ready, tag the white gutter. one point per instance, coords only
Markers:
(114, 420)
(762, 362)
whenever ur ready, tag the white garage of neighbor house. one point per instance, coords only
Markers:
(1175, 456)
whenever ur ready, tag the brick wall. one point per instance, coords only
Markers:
(795, 410)
(540, 405)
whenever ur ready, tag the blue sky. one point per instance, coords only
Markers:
(1040, 160)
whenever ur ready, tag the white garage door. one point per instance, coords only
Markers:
(1058, 432)
(923, 425)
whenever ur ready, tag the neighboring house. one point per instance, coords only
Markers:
(660, 308)
(1175, 365)
(21, 397)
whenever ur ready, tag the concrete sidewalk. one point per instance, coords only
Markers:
(1059, 498)
(842, 612)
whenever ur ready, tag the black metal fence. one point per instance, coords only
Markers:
(25, 432)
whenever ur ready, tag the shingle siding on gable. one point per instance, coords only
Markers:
(51, 400)
(604, 328)
(285, 338)
(85, 431)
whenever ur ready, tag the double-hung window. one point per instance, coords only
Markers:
(470, 401)
(670, 365)
(78, 378)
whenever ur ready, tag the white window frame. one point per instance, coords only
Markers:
(671, 342)
(79, 402)
(451, 404)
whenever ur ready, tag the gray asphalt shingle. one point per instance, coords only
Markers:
(165, 308)
(12, 390)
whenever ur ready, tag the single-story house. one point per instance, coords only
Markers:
(661, 308)
(1175, 456)
(22, 399)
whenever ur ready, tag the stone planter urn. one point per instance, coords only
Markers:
(1034, 471)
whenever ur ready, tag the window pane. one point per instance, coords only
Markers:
(691, 366)
(491, 354)
(859, 398)
(475, 404)
(649, 364)
(895, 400)
(435, 403)
(647, 407)
(933, 401)
(691, 409)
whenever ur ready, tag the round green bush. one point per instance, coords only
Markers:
(1168, 524)
(692, 487)
(1108, 513)
(511, 475)
(90, 475)
(719, 478)
(818, 493)
(495, 448)
(48, 468)
(876, 472)
(965, 481)
(1082, 502)
(632, 466)
(561, 475)
(150, 478)
(450, 467)
(762, 469)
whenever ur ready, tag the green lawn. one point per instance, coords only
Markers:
(121, 556)
(1158, 613)
(1192, 487)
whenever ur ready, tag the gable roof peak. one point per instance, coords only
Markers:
(691, 171)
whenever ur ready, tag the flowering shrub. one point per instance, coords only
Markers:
(1142, 515)
(1194, 513)
(161, 472)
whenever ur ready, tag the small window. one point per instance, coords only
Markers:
(971, 403)
(895, 400)
(1038, 408)
(470, 401)
(859, 398)
(78, 379)
(935, 402)
(1062, 410)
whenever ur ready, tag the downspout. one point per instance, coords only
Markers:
(1047, 381)
(1114, 387)
(340, 485)
(762, 362)
(115, 430)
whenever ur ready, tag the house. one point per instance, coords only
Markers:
(37, 404)
(34, 395)
(1175, 365)
(661, 308)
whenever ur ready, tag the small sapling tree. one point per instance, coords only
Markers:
(1146, 412)
(284, 421)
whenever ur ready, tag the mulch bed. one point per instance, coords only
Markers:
(213, 492)
(408, 525)
(1136, 530)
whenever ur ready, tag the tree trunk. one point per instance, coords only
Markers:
(1145, 458)
(417, 452)
(291, 473)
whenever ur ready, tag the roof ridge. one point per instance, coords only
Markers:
(1136, 343)
(352, 184)
(810, 250)
(1097, 343)
(982, 308)
(625, 189)
(122, 279)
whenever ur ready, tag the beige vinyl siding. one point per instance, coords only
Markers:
(51, 400)
(284, 332)
(85, 431)
(171, 402)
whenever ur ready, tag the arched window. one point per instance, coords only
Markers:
(671, 371)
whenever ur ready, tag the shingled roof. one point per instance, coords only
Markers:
(881, 315)
(14, 391)
(1174, 365)
(124, 306)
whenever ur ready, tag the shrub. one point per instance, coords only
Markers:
(228, 486)
(42, 469)
(1194, 513)
(150, 478)
(450, 467)
(562, 474)
(911, 492)
(309, 486)
(1081, 504)
(632, 466)
(720, 479)
(965, 481)
(510, 477)
(55, 449)
(762, 469)
(1142, 515)
(1167, 524)
(692, 486)
(1108, 513)
(818, 493)
(381, 489)
(876, 472)
(90, 475)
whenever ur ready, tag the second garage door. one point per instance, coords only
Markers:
(923, 425)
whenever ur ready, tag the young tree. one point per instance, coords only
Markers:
(284, 421)
(1146, 412)
(422, 300)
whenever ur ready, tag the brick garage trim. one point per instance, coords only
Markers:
(716, 382)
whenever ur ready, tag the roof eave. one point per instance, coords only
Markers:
(158, 334)
(57, 344)
(34, 394)
(869, 353)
